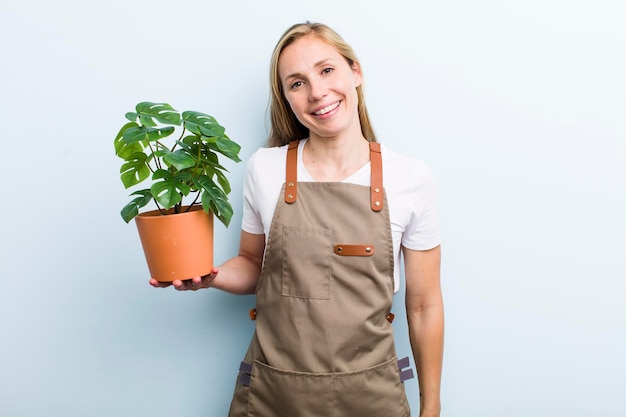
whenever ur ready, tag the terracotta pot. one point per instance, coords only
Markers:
(177, 246)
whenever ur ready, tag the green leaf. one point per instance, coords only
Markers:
(131, 209)
(180, 159)
(161, 112)
(126, 151)
(123, 149)
(211, 158)
(228, 148)
(141, 133)
(163, 173)
(193, 145)
(135, 169)
(214, 199)
(202, 124)
(171, 189)
(223, 181)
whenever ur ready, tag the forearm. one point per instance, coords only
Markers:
(238, 275)
(426, 326)
(424, 307)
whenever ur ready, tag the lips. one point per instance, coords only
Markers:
(327, 109)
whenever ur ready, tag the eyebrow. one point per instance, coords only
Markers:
(319, 63)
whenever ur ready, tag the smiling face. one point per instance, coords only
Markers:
(320, 87)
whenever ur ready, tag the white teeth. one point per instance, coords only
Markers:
(327, 109)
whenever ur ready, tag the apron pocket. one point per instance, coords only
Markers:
(306, 276)
(372, 392)
(277, 393)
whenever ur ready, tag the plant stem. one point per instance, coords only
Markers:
(195, 200)
(161, 210)
(182, 134)
(156, 160)
(178, 206)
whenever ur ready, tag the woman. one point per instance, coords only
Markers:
(320, 246)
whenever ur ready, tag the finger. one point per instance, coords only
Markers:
(195, 283)
(158, 284)
(207, 280)
(179, 285)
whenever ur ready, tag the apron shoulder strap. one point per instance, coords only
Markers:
(291, 178)
(376, 182)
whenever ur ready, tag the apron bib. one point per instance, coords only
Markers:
(323, 344)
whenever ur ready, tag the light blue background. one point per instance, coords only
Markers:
(518, 107)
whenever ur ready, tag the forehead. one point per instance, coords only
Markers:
(305, 53)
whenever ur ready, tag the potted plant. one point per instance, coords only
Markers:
(188, 185)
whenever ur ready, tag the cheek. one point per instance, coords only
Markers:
(294, 103)
(295, 109)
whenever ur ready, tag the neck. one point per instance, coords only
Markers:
(335, 159)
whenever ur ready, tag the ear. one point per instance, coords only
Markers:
(358, 77)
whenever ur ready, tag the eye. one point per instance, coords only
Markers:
(295, 85)
(327, 70)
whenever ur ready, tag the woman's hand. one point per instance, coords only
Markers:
(193, 284)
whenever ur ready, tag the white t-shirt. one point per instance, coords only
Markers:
(409, 184)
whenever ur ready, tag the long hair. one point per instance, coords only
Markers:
(285, 127)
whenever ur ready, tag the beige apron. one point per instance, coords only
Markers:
(323, 344)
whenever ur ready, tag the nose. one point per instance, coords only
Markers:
(317, 90)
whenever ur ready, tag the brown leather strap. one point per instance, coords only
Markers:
(376, 186)
(291, 180)
(354, 250)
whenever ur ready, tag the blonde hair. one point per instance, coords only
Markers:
(285, 127)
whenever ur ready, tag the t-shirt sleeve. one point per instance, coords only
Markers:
(251, 219)
(422, 231)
